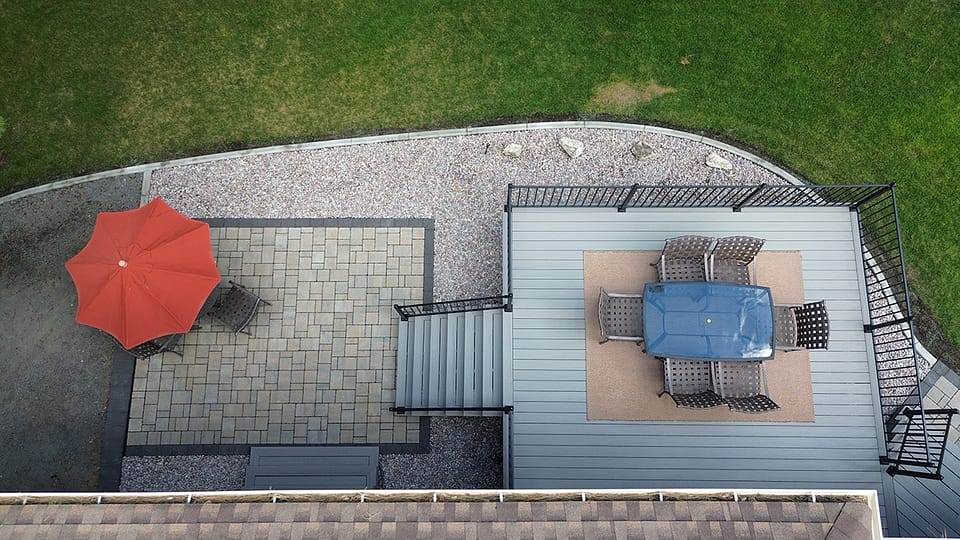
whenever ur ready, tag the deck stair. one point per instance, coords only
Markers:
(450, 358)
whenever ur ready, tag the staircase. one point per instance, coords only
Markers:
(451, 363)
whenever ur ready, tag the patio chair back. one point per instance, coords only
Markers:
(813, 325)
(731, 258)
(684, 258)
(621, 316)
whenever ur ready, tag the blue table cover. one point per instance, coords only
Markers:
(708, 321)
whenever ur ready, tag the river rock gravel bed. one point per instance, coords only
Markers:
(183, 473)
(459, 181)
(464, 453)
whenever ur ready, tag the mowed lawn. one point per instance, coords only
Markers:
(842, 92)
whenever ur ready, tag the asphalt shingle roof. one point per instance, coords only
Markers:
(540, 519)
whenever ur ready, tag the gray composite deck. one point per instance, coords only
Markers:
(927, 508)
(554, 446)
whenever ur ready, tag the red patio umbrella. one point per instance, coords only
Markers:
(145, 273)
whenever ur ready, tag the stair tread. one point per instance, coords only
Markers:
(451, 360)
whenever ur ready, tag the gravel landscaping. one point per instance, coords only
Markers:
(183, 473)
(459, 181)
(465, 453)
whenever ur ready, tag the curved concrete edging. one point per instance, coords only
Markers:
(147, 168)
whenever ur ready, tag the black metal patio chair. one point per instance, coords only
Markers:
(684, 258)
(153, 347)
(802, 326)
(743, 386)
(731, 257)
(621, 316)
(237, 307)
(690, 384)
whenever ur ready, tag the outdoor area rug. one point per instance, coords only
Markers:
(623, 382)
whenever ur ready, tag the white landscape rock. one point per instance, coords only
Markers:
(572, 147)
(513, 150)
(714, 160)
(643, 151)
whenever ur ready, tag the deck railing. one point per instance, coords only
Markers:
(891, 319)
(453, 306)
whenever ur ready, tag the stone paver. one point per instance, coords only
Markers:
(942, 392)
(320, 363)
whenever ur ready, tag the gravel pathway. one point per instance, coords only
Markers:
(459, 181)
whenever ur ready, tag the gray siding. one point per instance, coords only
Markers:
(554, 446)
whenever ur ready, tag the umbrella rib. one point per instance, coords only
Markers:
(196, 225)
(182, 273)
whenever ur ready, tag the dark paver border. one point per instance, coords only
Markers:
(114, 441)
(420, 447)
(114, 446)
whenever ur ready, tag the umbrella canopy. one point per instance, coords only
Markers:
(144, 273)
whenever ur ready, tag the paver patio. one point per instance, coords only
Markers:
(319, 366)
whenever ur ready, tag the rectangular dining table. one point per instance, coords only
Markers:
(708, 321)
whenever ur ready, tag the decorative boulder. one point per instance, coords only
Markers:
(512, 150)
(717, 162)
(642, 151)
(572, 147)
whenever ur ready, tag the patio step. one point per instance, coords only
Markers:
(312, 467)
(451, 360)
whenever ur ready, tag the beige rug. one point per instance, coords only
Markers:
(623, 382)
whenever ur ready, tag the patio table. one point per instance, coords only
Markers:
(708, 321)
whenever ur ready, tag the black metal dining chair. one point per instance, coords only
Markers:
(743, 386)
(237, 307)
(731, 258)
(684, 258)
(802, 326)
(690, 384)
(621, 316)
(154, 347)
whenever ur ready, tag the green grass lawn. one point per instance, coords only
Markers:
(843, 92)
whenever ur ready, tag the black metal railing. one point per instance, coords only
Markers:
(919, 455)
(505, 409)
(891, 324)
(700, 196)
(882, 255)
(454, 306)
